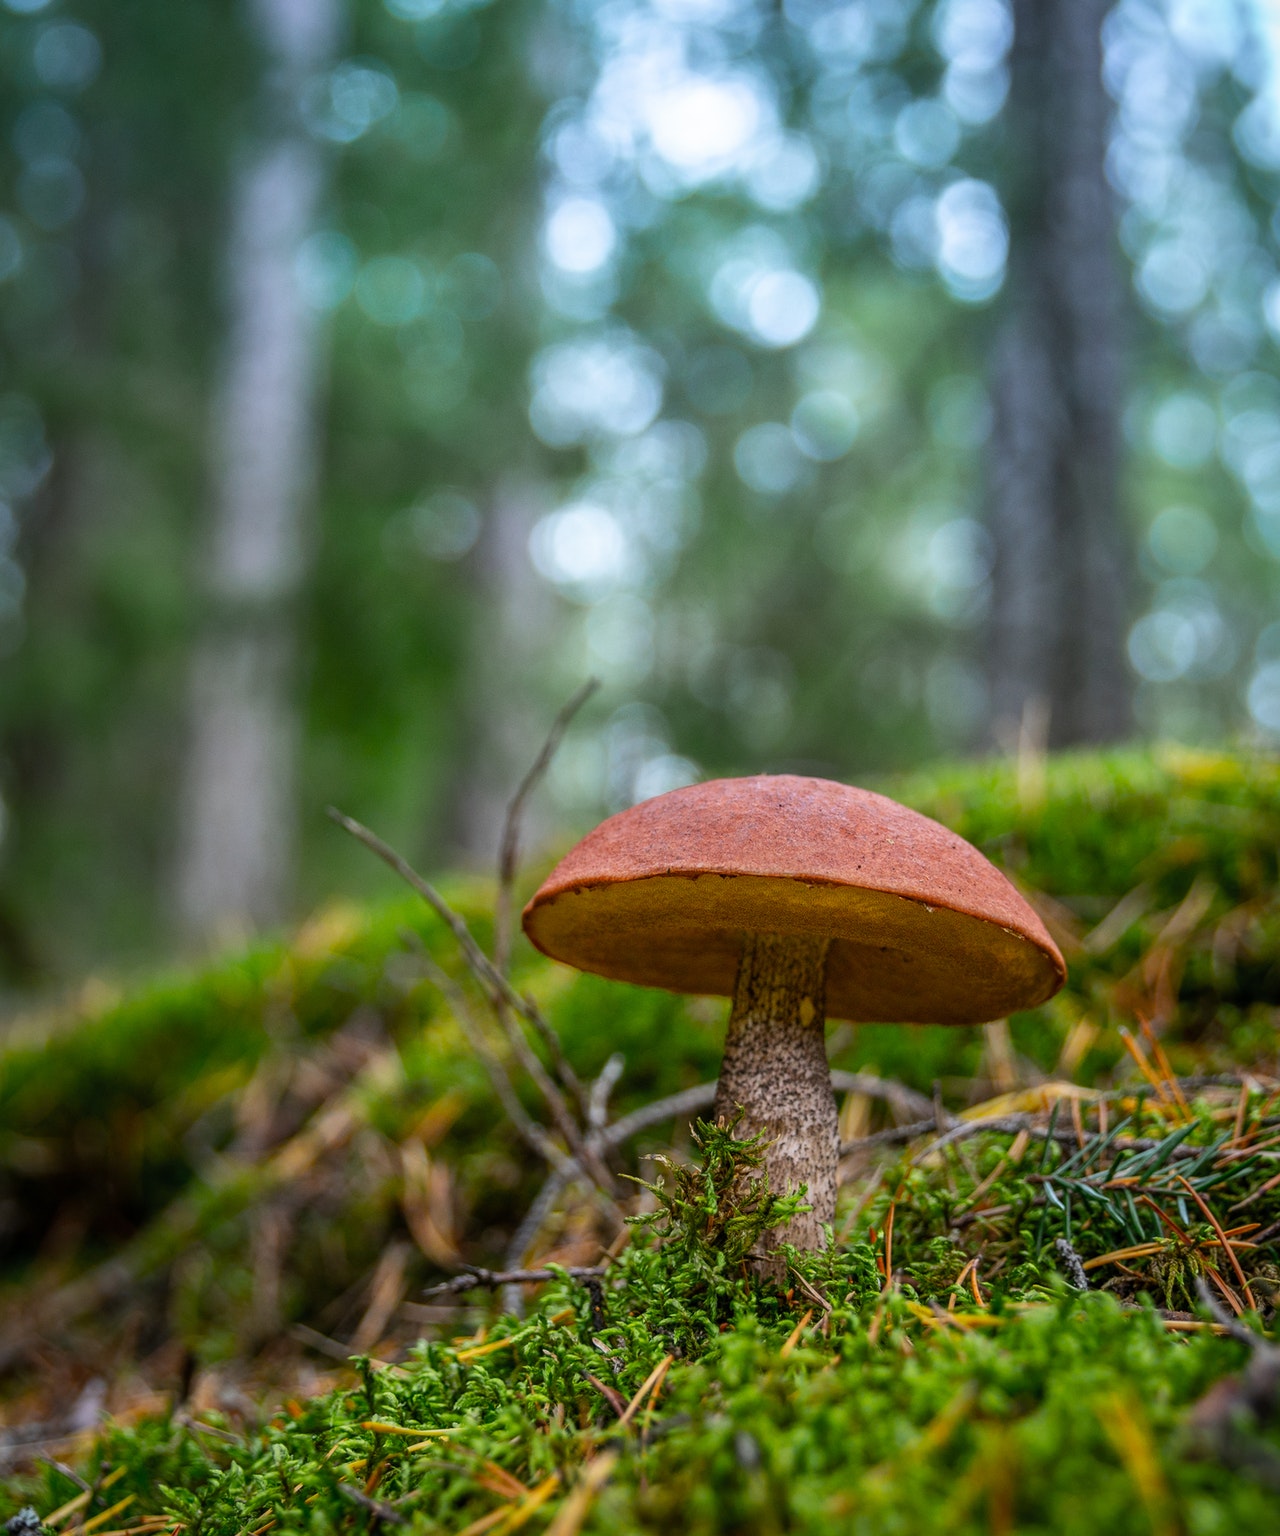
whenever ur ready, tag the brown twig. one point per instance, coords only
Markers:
(652, 1383)
(610, 1394)
(67, 1472)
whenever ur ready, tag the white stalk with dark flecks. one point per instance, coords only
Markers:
(775, 1068)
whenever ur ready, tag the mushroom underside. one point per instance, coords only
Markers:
(892, 959)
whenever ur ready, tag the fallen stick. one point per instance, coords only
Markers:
(491, 1279)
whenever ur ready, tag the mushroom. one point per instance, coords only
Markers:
(801, 899)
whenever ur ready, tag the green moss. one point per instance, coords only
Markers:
(1049, 1411)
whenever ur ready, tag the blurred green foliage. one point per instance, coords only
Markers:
(789, 564)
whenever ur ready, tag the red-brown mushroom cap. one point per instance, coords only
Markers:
(923, 928)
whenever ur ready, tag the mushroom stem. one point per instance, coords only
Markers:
(775, 1068)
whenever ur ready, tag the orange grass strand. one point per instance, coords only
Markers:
(1144, 1066)
(1162, 1061)
(651, 1383)
(1222, 1238)
(1241, 1107)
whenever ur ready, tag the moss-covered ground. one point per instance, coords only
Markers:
(216, 1188)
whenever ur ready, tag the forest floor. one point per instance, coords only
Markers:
(238, 1208)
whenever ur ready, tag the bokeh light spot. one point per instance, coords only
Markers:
(580, 236)
(391, 290)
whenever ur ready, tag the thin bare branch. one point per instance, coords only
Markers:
(692, 1101)
(480, 964)
(882, 1088)
(687, 1103)
(1004, 1125)
(564, 1169)
(532, 1133)
(598, 1099)
(497, 988)
(896, 1135)
(1233, 1325)
(525, 1235)
(491, 1279)
(508, 865)
(560, 1063)
(65, 1471)
(380, 1511)
(509, 854)
(534, 1219)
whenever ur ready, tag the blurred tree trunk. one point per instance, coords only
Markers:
(1057, 662)
(236, 835)
(507, 714)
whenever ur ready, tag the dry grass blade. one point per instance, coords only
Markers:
(65, 1511)
(793, 1338)
(1233, 1301)
(1127, 911)
(1264, 1188)
(888, 1242)
(1222, 1238)
(509, 1518)
(1166, 1069)
(574, 1511)
(386, 1291)
(1129, 1432)
(1143, 1065)
(652, 1382)
(101, 1519)
(1118, 1255)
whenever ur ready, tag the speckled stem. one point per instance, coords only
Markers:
(775, 1067)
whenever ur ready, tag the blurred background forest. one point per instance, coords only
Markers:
(846, 385)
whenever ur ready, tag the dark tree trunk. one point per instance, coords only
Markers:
(1060, 581)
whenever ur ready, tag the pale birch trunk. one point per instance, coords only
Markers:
(235, 848)
(507, 713)
(1060, 581)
